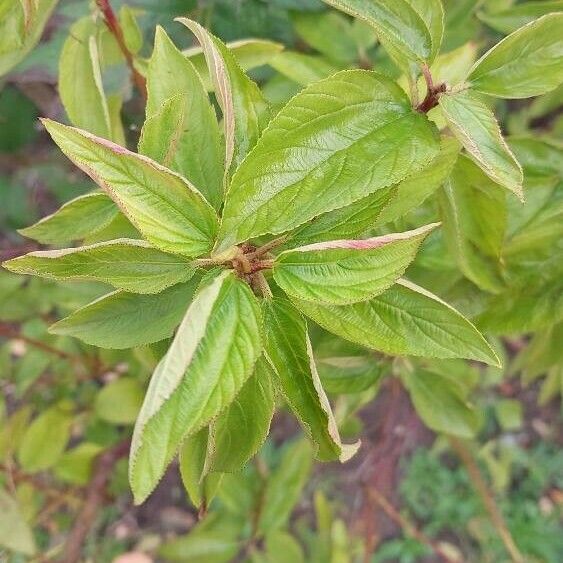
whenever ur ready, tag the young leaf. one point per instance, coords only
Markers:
(165, 208)
(15, 533)
(200, 486)
(75, 220)
(396, 22)
(473, 123)
(440, 404)
(285, 486)
(413, 191)
(80, 82)
(347, 222)
(128, 264)
(508, 20)
(473, 211)
(124, 320)
(302, 68)
(45, 439)
(312, 158)
(239, 432)
(347, 271)
(528, 62)
(405, 320)
(288, 349)
(190, 135)
(207, 364)
(245, 110)
(119, 402)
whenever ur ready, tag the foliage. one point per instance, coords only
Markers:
(281, 228)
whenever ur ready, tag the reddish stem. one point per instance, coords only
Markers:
(433, 92)
(114, 27)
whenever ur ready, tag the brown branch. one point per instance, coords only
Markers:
(487, 498)
(408, 528)
(95, 493)
(8, 331)
(115, 29)
(433, 92)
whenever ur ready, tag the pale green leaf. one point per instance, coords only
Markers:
(15, 533)
(285, 485)
(508, 20)
(128, 264)
(413, 191)
(202, 546)
(440, 404)
(288, 349)
(20, 32)
(528, 62)
(397, 23)
(312, 158)
(132, 33)
(124, 320)
(200, 486)
(245, 110)
(189, 136)
(282, 547)
(405, 320)
(80, 82)
(474, 214)
(119, 401)
(207, 364)
(249, 54)
(75, 466)
(45, 439)
(241, 429)
(349, 374)
(474, 124)
(165, 208)
(350, 221)
(302, 68)
(76, 219)
(347, 271)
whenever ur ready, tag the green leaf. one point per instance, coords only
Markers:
(509, 414)
(330, 33)
(474, 124)
(75, 466)
(349, 374)
(80, 80)
(281, 547)
(128, 264)
(13, 430)
(524, 308)
(207, 364)
(184, 136)
(288, 349)
(474, 214)
(132, 33)
(405, 320)
(239, 431)
(75, 220)
(15, 533)
(413, 191)
(312, 157)
(165, 208)
(347, 271)
(528, 62)
(397, 23)
(120, 401)
(124, 320)
(350, 221)
(302, 68)
(285, 485)
(20, 32)
(45, 439)
(506, 21)
(245, 110)
(440, 403)
(249, 54)
(200, 486)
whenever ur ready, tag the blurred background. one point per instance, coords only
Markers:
(412, 493)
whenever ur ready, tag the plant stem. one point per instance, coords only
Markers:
(487, 498)
(407, 527)
(433, 92)
(264, 249)
(114, 27)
